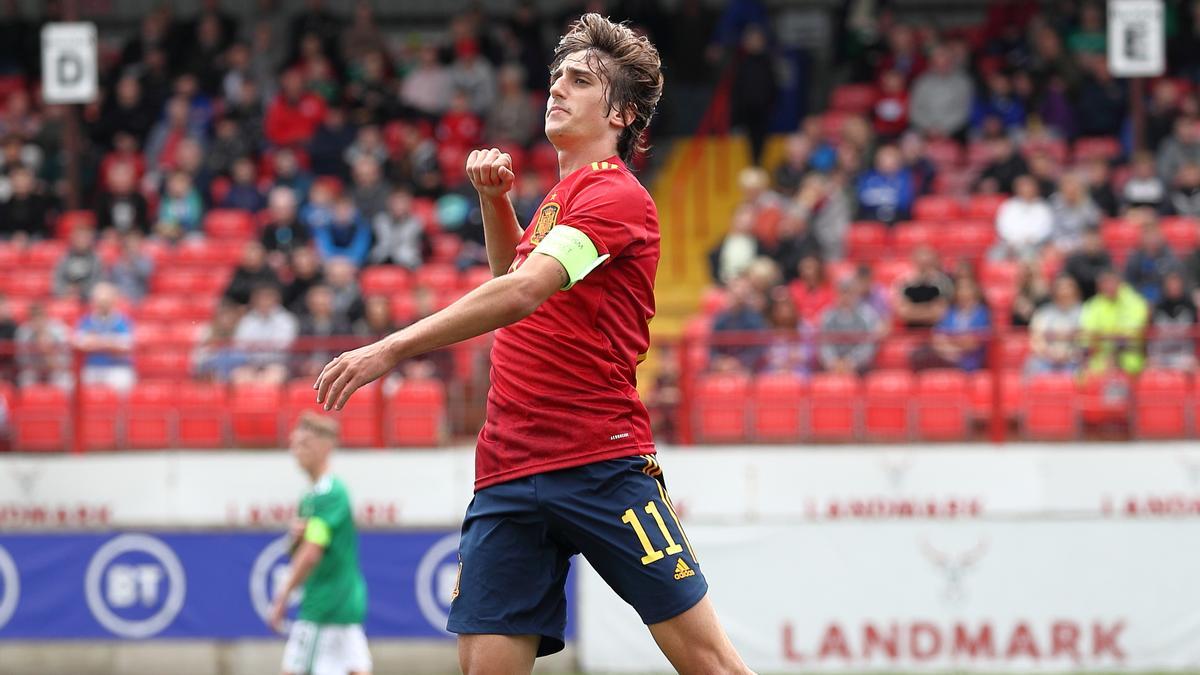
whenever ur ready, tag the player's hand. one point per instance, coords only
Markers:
(490, 172)
(278, 610)
(348, 371)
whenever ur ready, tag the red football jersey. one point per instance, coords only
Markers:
(564, 386)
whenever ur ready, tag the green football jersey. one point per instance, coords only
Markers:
(335, 591)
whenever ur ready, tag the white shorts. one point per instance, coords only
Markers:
(326, 649)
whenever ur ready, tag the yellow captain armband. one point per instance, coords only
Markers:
(317, 532)
(573, 250)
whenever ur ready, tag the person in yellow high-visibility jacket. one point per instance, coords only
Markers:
(1112, 324)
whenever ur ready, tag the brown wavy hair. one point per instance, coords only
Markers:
(636, 82)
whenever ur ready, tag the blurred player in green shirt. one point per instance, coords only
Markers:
(327, 637)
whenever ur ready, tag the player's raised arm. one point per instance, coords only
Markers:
(490, 171)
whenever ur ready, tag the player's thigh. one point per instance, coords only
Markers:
(512, 574)
(341, 649)
(619, 515)
(695, 643)
(300, 650)
(497, 654)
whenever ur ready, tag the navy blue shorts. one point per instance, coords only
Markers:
(518, 538)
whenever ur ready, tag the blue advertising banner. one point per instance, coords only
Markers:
(206, 585)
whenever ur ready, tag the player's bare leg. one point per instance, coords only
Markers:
(695, 643)
(497, 654)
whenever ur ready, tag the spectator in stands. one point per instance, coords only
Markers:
(788, 350)
(958, 339)
(370, 92)
(1031, 294)
(215, 356)
(1054, 345)
(306, 273)
(367, 144)
(918, 165)
(319, 323)
(244, 193)
(1181, 147)
(1085, 264)
(252, 272)
(80, 268)
(283, 232)
(289, 173)
(377, 321)
(472, 75)
(874, 295)
(1100, 187)
(264, 334)
(127, 112)
(1112, 323)
(16, 151)
(120, 207)
(105, 336)
(247, 110)
(1101, 98)
(26, 214)
(1150, 262)
(822, 204)
(796, 240)
(812, 291)
(737, 249)
(997, 101)
(163, 143)
(1144, 189)
(318, 212)
(923, 298)
(1161, 111)
(228, 145)
(1174, 322)
(1024, 223)
(426, 89)
(370, 190)
(797, 150)
(743, 314)
(8, 333)
(181, 211)
(886, 193)
(848, 334)
(754, 89)
(341, 277)
(1184, 199)
(1073, 212)
(190, 159)
(347, 236)
(399, 234)
(1005, 167)
(294, 114)
(131, 270)
(941, 96)
(513, 118)
(890, 112)
(328, 147)
(1088, 37)
(1045, 171)
(43, 350)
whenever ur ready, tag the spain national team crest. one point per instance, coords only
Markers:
(546, 220)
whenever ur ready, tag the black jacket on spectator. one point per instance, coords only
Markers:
(1105, 198)
(122, 213)
(296, 290)
(788, 251)
(29, 214)
(285, 238)
(136, 121)
(1084, 268)
(244, 281)
(326, 149)
(1102, 107)
(1005, 172)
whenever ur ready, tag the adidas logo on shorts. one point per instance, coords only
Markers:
(682, 571)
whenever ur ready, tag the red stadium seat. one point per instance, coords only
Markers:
(853, 98)
(895, 350)
(41, 419)
(984, 207)
(979, 153)
(1055, 148)
(404, 308)
(203, 414)
(151, 416)
(199, 253)
(942, 405)
(1120, 237)
(416, 414)
(437, 277)
(33, 284)
(254, 415)
(866, 241)
(1105, 399)
(229, 224)
(69, 220)
(832, 123)
(908, 236)
(1000, 300)
(720, 407)
(384, 280)
(158, 353)
(891, 273)
(886, 405)
(1050, 411)
(101, 414)
(1102, 147)
(945, 153)
(936, 208)
(966, 239)
(1182, 233)
(832, 407)
(10, 255)
(1014, 349)
(66, 310)
(778, 404)
(476, 276)
(159, 309)
(359, 420)
(445, 248)
(1161, 399)
(44, 255)
(1011, 392)
(995, 273)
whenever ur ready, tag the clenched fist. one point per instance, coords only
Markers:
(490, 172)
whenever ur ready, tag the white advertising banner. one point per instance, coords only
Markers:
(977, 596)
(1136, 38)
(708, 486)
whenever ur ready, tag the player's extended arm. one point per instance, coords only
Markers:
(491, 173)
(305, 560)
(497, 303)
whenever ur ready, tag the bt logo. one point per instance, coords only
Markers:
(135, 585)
(437, 580)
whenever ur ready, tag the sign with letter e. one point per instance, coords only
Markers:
(1136, 38)
(69, 63)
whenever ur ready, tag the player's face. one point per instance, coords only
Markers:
(576, 108)
(308, 448)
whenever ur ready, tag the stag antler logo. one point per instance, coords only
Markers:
(896, 469)
(25, 477)
(954, 567)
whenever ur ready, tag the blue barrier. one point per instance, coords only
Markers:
(205, 585)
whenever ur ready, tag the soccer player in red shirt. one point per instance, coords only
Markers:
(565, 461)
